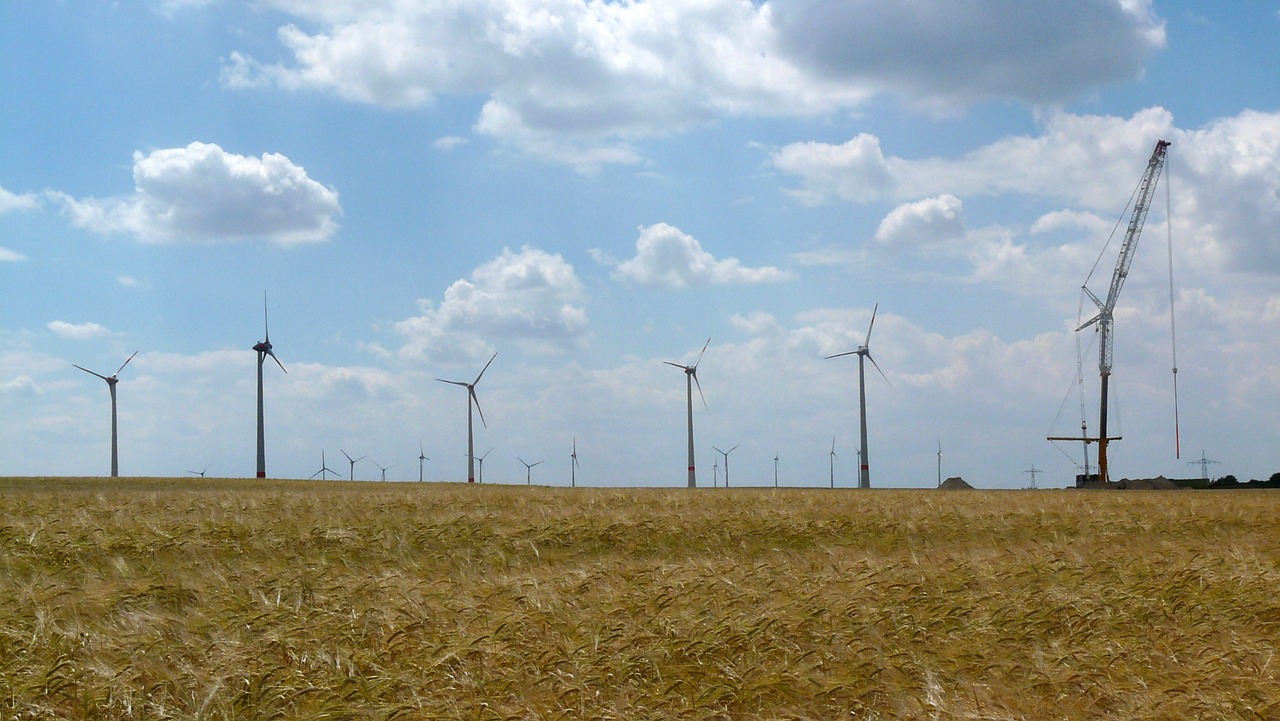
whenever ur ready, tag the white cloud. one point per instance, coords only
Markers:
(1225, 178)
(10, 256)
(77, 331)
(531, 297)
(202, 193)
(577, 81)
(667, 256)
(14, 202)
(928, 222)
(449, 142)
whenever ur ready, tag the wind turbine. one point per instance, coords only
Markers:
(715, 474)
(472, 399)
(481, 459)
(325, 469)
(201, 473)
(383, 469)
(775, 470)
(264, 350)
(573, 466)
(1033, 478)
(528, 470)
(726, 462)
(112, 380)
(864, 352)
(350, 460)
(832, 460)
(690, 379)
(422, 456)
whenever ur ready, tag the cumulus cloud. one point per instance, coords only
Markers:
(576, 80)
(13, 202)
(955, 51)
(926, 222)
(10, 256)
(1225, 177)
(531, 297)
(667, 256)
(202, 193)
(77, 331)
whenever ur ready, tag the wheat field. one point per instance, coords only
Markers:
(231, 599)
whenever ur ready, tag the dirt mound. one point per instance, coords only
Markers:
(1159, 483)
(955, 483)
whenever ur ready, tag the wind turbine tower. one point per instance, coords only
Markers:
(940, 464)
(480, 462)
(112, 380)
(264, 349)
(691, 379)
(775, 470)
(726, 462)
(831, 457)
(350, 460)
(472, 401)
(422, 456)
(864, 353)
(573, 465)
(528, 470)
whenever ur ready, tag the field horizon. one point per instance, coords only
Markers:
(212, 598)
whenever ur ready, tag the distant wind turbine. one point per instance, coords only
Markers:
(112, 380)
(528, 470)
(325, 470)
(383, 469)
(715, 474)
(775, 470)
(201, 473)
(350, 460)
(422, 456)
(573, 465)
(940, 464)
(472, 400)
(690, 379)
(264, 349)
(864, 352)
(481, 462)
(832, 459)
(726, 462)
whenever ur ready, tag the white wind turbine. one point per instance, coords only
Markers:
(350, 460)
(775, 470)
(573, 465)
(472, 400)
(383, 469)
(864, 352)
(690, 379)
(832, 459)
(325, 470)
(480, 460)
(264, 349)
(726, 462)
(528, 470)
(422, 456)
(112, 380)
(201, 473)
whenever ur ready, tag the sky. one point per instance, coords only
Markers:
(591, 189)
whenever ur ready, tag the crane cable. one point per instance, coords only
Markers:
(1173, 326)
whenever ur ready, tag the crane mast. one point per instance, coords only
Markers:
(1104, 319)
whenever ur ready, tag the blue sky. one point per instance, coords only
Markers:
(590, 189)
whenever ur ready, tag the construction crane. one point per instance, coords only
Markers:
(1104, 319)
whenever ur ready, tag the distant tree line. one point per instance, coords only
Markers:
(1230, 481)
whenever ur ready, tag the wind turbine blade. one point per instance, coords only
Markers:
(476, 398)
(731, 450)
(717, 450)
(361, 458)
(838, 355)
(86, 370)
(486, 367)
(677, 365)
(122, 365)
(518, 458)
(882, 375)
(277, 360)
(536, 464)
(704, 350)
(871, 325)
(699, 385)
(345, 454)
(454, 383)
(266, 327)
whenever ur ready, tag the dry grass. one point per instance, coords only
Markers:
(217, 599)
